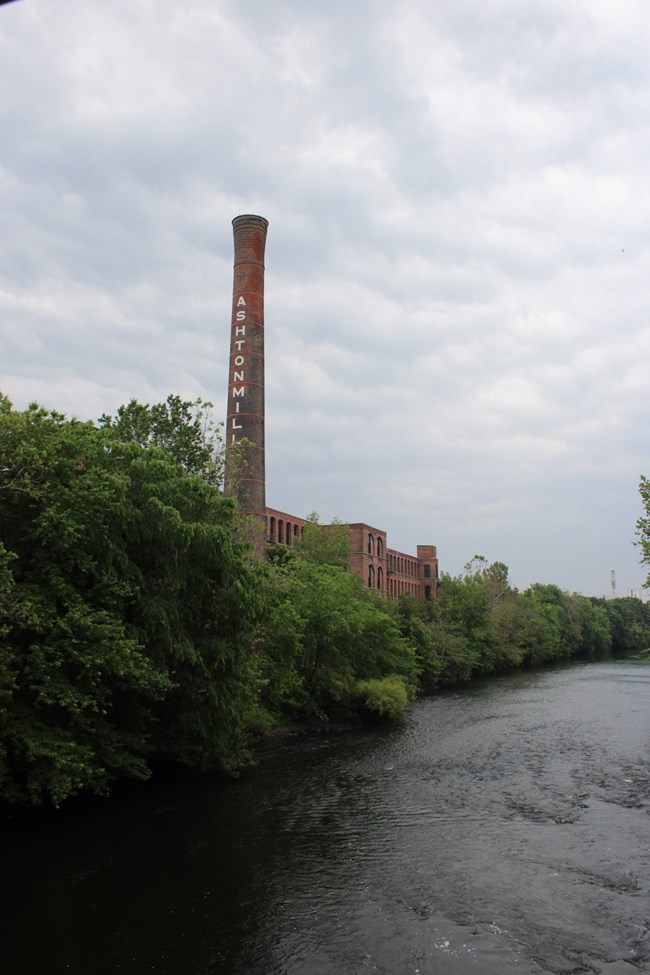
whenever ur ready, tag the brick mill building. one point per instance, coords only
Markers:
(382, 569)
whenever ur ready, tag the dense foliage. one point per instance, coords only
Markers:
(127, 611)
(135, 629)
(324, 544)
(643, 524)
(484, 625)
(183, 428)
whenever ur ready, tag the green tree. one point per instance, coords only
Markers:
(458, 660)
(276, 665)
(592, 633)
(338, 635)
(629, 623)
(412, 618)
(324, 544)
(643, 525)
(507, 619)
(505, 615)
(495, 578)
(545, 631)
(184, 429)
(129, 610)
(463, 607)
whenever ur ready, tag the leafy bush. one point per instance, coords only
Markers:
(385, 697)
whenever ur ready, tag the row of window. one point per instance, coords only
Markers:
(407, 567)
(403, 567)
(395, 586)
(396, 563)
(287, 532)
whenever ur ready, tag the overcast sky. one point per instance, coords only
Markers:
(457, 286)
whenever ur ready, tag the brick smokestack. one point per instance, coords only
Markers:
(245, 473)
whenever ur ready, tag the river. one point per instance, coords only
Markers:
(502, 828)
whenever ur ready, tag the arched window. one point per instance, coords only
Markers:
(380, 578)
(380, 547)
(371, 544)
(371, 577)
(295, 532)
(272, 530)
(288, 533)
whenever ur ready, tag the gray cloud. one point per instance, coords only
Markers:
(457, 298)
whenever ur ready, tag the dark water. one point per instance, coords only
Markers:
(502, 829)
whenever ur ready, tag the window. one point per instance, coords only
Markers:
(427, 592)
(288, 533)
(371, 577)
(427, 572)
(380, 548)
(371, 544)
(380, 578)
(272, 530)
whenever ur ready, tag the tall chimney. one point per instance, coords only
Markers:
(244, 475)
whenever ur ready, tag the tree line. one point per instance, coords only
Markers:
(136, 630)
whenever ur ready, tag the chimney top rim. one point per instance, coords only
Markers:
(250, 218)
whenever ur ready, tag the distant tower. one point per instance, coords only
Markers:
(245, 473)
(613, 578)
